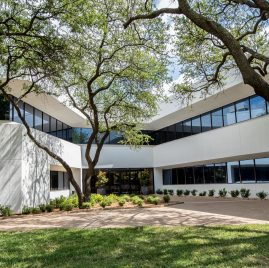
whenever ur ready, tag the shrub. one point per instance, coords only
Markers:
(126, 197)
(103, 203)
(245, 193)
(179, 192)
(186, 192)
(121, 202)
(68, 207)
(166, 198)
(159, 191)
(73, 199)
(59, 201)
(153, 200)
(171, 192)
(211, 192)
(222, 192)
(202, 193)
(262, 195)
(193, 192)
(42, 207)
(96, 198)
(113, 197)
(26, 210)
(137, 201)
(49, 208)
(165, 191)
(5, 211)
(234, 193)
(36, 210)
(86, 205)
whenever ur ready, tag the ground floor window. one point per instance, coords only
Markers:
(243, 171)
(59, 181)
(125, 181)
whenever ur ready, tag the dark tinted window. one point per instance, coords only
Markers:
(209, 173)
(217, 120)
(171, 132)
(189, 175)
(247, 171)
(53, 126)
(179, 130)
(262, 169)
(187, 128)
(174, 176)
(206, 122)
(221, 173)
(167, 176)
(181, 175)
(233, 172)
(4, 108)
(16, 117)
(29, 115)
(199, 174)
(196, 125)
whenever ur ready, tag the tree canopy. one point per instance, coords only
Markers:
(214, 39)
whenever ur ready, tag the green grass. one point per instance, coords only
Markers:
(230, 246)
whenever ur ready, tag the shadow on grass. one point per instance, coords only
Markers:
(229, 246)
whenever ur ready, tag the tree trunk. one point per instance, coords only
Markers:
(87, 183)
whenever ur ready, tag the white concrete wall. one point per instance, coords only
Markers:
(245, 140)
(121, 156)
(10, 165)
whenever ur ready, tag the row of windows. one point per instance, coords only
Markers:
(245, 171)
(239, 111)
(81, 136)
(41, 121)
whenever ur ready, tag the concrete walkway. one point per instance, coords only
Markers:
(159, 216)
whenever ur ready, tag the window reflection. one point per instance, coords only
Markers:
(229, 115)
(196, 125)
(187, 128)
(242, 110)
(220, 173)
(258, 106)
(206, 122)
(217, 121)
(262, 169)
(247, 172)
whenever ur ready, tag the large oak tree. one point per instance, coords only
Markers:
(215, 38)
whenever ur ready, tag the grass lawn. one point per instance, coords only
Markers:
(230, 246)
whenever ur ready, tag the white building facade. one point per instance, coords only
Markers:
(218, 142)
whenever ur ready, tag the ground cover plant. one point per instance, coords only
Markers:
(229, 246)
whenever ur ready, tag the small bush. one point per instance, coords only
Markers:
(211, 192)
(153, 200)
(202, 193)
(193, 192)
(103, 203)
(234, 193)
(49, 208)
(171, 192)
(126, 197)
(159, 191)
(165, 191)
(121, 202)
(166, 198)
(96, 198)
(245, 193)
(179, 192)
(42, 207)
(186, 192)
(68, 207)
(26, 210)
(86, 205)
(222, 192)
(262, 195)
(73, 199)
(5, 211)
(137, 201)
(36, 210)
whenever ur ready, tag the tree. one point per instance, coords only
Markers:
(32, 50)
(112, 75)
(216, 37)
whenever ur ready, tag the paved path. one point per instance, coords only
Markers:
(160, 216)
(247, 208)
